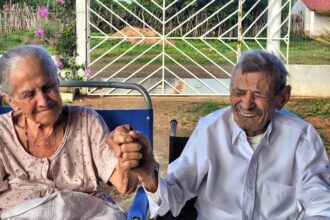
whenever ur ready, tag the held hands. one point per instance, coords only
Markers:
(134, 154)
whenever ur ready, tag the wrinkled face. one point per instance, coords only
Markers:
(35, 92)
(252, 101)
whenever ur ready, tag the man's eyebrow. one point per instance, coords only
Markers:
(235, 87)
(238, 88)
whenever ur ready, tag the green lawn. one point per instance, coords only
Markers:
(302, 50)
(304, 107)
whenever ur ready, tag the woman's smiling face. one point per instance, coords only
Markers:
(252, 101)
(35, 92)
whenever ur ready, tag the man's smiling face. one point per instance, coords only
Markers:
(252, 101)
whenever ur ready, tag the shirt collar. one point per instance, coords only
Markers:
(236, 130)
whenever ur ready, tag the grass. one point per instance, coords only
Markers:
(323, 135)
(205, 108)
(14, 39)
(304, 107)
(208, 56)
(199, 110)
(310, 107)
(302, 50)
(8, 41)
(309, 52)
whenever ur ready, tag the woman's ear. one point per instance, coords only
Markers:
(10, 101)
(284, 97)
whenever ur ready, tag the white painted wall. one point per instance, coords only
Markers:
(309, 21)
(309, 80)
(298, 8)
(321, 22)
(314, 22)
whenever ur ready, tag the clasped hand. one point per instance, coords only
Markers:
(133, 151)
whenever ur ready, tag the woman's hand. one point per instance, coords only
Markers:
(134, 154)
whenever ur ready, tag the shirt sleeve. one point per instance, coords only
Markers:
(3, 182)
(314, 192)
(103, 156)
(154, 200)
(183, 178)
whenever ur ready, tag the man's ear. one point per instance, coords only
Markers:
(283, 97)
(11, 102)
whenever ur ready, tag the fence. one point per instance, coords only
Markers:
(19, 21)
(17, 18)
(181, 47)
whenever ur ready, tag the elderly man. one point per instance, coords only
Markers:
(251, 160)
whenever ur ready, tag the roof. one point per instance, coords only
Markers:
(318, 5)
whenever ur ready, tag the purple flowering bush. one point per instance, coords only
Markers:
(62, 36)
(68, 69)
(45, 29)
(61, 1)
(40, 32)
(42, 12)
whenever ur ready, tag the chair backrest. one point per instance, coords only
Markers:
(176, 146)
(176, 143)
(139, 119)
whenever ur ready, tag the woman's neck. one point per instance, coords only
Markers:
(40, 140)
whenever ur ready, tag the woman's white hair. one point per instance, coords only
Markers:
(9, 59)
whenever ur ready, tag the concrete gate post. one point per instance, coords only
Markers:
(82, 32)
(274, 26)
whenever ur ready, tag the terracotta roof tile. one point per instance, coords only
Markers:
(318, 5)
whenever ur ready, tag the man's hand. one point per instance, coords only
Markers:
(134, 154)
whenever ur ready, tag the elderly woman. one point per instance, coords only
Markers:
(52, 156)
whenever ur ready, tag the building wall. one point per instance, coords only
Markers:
(321, 22)
(314, 22)
(309, 80)
(309, 21)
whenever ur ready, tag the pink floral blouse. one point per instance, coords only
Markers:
(79, 163)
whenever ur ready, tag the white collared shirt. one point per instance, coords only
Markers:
(286, 177)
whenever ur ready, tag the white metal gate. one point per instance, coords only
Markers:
(180, 47)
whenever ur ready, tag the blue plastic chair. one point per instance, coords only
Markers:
(139, 119)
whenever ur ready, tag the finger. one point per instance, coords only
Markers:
(126, 128)
(121, 138)
(140, 138)
(123, 129)
(129, 127)
(131, 156)
(115, 147)
(127, 165)
(135, 134)
(131, 147)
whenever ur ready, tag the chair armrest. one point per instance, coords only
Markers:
(139, 207)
